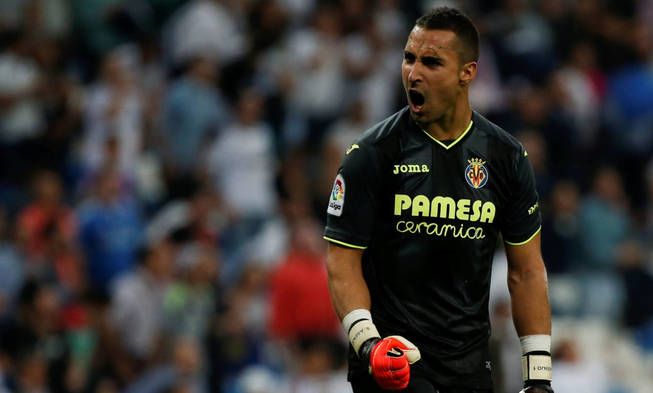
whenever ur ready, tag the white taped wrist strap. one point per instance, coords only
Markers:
(535, 342)
(362, 331)
(355, 316)
(536, 367)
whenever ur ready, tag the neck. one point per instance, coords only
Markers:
(451, 124)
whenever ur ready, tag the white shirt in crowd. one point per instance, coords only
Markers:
(207, 28)
(23, 119)
(243, 167)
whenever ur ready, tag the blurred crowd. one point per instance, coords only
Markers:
(165, 167)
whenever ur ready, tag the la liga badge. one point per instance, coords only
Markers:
(337, 197)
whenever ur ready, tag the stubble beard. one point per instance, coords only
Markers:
(423, 120)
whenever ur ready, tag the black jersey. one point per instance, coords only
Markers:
(428, 216)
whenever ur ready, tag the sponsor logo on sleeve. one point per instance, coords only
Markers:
(337, 198)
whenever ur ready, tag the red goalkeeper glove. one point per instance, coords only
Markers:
(389, 358)
(389, 361)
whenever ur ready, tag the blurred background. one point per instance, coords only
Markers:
(165, 167)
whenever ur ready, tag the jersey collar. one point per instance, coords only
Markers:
(455, 142)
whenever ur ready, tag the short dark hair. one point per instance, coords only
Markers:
(451, 19)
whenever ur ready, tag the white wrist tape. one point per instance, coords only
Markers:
(359, 327)
(535, 342)
(538, 365)
(353, 316)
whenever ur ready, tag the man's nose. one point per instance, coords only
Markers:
(414, 73)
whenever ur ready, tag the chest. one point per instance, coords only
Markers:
(456, 185)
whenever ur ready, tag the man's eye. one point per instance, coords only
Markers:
(431, 61)
(409, 57)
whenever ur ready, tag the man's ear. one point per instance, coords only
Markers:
(467, 73)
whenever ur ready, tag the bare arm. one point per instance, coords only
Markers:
(346, 283)
(350, 295)
(527, 282)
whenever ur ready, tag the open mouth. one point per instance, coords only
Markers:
(416, 99)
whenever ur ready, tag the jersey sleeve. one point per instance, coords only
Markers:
(523, 220)
(353, 200)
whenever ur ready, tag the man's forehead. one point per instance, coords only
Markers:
(424, 40)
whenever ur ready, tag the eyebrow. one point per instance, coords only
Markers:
(432, 58)
(435, 56)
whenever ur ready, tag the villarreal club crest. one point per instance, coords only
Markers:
(476, 173)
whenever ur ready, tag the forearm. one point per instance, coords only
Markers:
(346, 283)
(351, 298)
(530, 300)
(389, 358)
(531, 313)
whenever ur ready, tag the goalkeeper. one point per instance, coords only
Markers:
(416, 210)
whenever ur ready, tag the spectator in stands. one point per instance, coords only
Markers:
(537, 108)
(22, 118)
(369, 65)
(190, 301)
(523, 41)
(242, 166)
(194, 216)
(604, 220)
(48, 219)
(604, 225)
(300, 305)
(583, 84)
(62, 100)
(110, 231)
(629, 109)
(194, 111)
(137, 314)
(12, 268)
(206, 28)
(114, 114)
(317, 80)
(181, 372)
(320, 367)
(237, 340)
(32, 339)
(638, 286)
(560, 228)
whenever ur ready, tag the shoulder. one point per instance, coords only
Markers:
(496, 132)
(501, 141)
(385, 129)
(380, 141)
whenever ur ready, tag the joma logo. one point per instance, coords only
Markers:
(410, 168)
